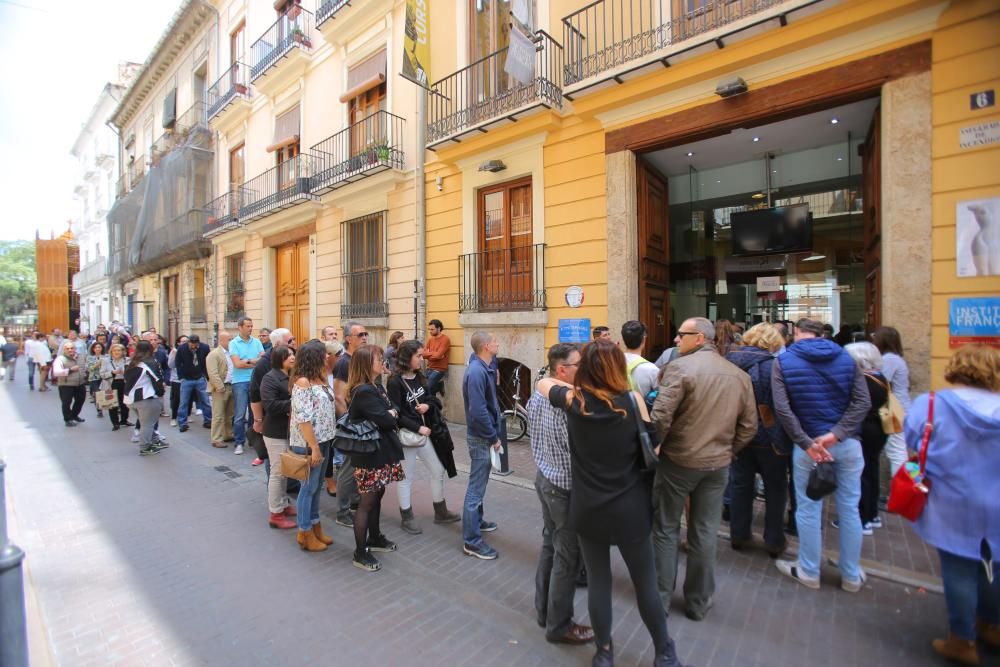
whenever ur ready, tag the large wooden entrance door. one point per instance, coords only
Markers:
(654, 258)
(292, 288)
(871, 172)
(172, 298)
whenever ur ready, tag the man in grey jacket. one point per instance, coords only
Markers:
(705, 412)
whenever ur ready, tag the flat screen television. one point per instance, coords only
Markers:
(768, 231)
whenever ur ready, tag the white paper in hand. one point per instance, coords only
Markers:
(495, 458)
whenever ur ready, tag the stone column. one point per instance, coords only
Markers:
(623, 244)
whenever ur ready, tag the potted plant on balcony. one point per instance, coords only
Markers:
(382, 152)
(300, 37)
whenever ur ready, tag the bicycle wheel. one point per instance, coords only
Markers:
(517, 425)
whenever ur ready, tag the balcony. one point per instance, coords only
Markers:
(136, 170)
(281, 55)
(367, 147)
(501, 280)
(340, 21)
(364, 294)
(482, 95)
(91, 274)
(278, 188)
(222, 214)
(176, 136)
(228, 99)
(616, 37)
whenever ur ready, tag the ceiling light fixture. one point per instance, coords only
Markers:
(690, 154)
(834, 121)
(814, 258)
(492, 166)
(718, 181)
(732, 86)
(840, 159)
(756, 139)
(757, 195)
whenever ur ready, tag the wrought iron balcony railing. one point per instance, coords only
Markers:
(136, 170)
(329, 9)
(233, 84)
(294, 29)
(222, 214)
(607, 34)
(503, 279)
(194, 117)
(369, 146)
(277, 188)
(483, 92)
(364, 294)
(234, 301)
(198, 309)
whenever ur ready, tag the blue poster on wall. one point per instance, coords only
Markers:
(974, 321)
(574, 330)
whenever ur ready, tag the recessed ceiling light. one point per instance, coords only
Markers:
(756, 139)
(814, 258)
(840, 159)
(834, 121)
(774, 171)
(718, 181)
(690, 154)
(757, 195)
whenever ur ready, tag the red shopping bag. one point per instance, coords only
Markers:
(910, 485)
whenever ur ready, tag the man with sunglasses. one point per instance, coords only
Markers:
(355, 336)
(705, 412)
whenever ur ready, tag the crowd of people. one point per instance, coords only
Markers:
(628, 451)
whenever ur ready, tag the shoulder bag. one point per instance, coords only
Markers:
(106, 398)
(910, 485)
(407, 437)
(356, 437)
(891, 413)
(295, 466)
(649, 456)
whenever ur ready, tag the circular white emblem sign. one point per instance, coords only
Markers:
(574, 296)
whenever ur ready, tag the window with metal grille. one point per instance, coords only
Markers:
(234, 287)
(364, 266)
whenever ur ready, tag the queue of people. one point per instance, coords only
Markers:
(624, 449)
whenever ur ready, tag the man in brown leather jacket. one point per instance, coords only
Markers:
(705, 412)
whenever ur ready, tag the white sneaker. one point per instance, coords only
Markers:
(135, 436)
(791, 569)
(173, 422)
(238, 450)
(876, 522)
(867, 529)
(198, 411)
(854, 586)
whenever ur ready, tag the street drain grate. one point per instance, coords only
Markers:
(228, 472)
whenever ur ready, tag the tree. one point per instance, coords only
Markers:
(18, 282)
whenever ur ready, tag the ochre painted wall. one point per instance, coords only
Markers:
(966, 59)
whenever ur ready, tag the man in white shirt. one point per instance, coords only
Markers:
(43, 356)
(642, 374)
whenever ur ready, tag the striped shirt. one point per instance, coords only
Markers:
(550, 441)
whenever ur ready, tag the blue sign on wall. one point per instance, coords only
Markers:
(974, 321)
(574, 330)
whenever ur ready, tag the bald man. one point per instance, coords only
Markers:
(220, 385)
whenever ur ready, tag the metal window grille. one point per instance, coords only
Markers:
(364, 272)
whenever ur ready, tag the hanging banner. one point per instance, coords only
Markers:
(521, 10)
(416, 43)
(520, 64)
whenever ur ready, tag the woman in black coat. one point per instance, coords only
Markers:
(276, 400)
(372, 472)
(873, 438)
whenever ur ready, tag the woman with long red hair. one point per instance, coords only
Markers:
(611, 499)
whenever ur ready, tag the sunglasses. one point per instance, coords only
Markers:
(688, 333)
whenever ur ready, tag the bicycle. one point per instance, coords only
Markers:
(516, 418)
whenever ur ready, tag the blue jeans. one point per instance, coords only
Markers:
(435, 381)
(307, 502)
(200, 387)
(479, 475)
(968, 594)
(241, 402)
(849, 462)
(31, 372)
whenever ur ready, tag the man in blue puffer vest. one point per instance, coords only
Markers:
(821, 398)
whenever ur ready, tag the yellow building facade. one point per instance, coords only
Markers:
(313, 219)
(628, 177)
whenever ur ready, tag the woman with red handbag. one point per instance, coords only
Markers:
(960, 517)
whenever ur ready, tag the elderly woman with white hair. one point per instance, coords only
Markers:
(873, 438)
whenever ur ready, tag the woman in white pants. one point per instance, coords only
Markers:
(895, 370)
(277, 402)
(407, 389)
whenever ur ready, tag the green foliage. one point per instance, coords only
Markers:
(17, 277)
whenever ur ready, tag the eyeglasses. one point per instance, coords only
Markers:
(569, 365)
(687, 333)
(363, 334)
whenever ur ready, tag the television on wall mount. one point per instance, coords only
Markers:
(768, 231)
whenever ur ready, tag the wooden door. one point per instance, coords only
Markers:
(237, 175)
(292, 288)
(654, 259)
(871, 165)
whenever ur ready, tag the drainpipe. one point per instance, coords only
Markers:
(421, 201)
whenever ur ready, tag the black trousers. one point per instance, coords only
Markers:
(119, 415)
(871, 449)
(72, 399)
(772, 468)
(638, 558)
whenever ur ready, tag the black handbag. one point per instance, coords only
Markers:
(822, 481)
(646, 446)
(356, 437)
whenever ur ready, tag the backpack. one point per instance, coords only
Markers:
(891, 412)
(632, 365)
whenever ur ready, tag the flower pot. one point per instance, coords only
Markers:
(240, 89)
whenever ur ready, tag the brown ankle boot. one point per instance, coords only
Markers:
(442, 515)
(957, 649)
(308, 542)
(990, 634)
(320, 535)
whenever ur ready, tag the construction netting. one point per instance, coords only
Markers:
(161, 221)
